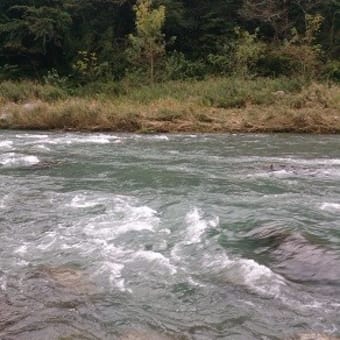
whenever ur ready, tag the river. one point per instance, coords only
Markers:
(122, 236)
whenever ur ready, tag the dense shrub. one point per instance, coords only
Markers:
(331, 71)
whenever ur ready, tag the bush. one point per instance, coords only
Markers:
(100, 89)
(220, 64)
(26, 90)
(15, 91)
(53, 78)
(275, 64)
(177, 67)
(247, 52)
(236, 93)
(331, 71)
(9, 72)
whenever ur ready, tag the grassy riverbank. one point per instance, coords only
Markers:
(213, 105)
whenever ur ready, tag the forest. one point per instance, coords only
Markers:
(87, 40)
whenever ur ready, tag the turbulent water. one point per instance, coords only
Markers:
(108, 236)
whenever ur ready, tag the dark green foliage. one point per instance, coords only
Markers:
(332, 71)
(177, 66)
(33, 35)
(39, 36)
(26, 90)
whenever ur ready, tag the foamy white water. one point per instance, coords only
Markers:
(248, 273)
(30, 136)
(14, 159)
(161, 137)
(83, 201)
(86, 139)
(6, 144)
(194, 236)
(3, 283)
(197, 225)
(157, 260)
(330, 206)
(3, 200)
(42, 147)
(114, 271)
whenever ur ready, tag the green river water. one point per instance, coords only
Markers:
(122, 236)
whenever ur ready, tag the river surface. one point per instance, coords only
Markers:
(108, 236)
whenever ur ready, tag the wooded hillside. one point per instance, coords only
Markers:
(87, 40)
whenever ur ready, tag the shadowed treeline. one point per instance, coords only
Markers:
(89, 40)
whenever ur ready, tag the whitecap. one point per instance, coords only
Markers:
(156, 258)
(6, 144)
(43, 147)
(176, 252)
(13, 159)
(142, 212)
(33, 136)
(3, 283)
(135, 218)
(330, 206)
(134, 226)
(196, 225)
(114, 270)
(246, 272)
(2, 202)
(121, 216)
(258, 277)
(161, 137)
(21, 250)
(49, 239)
(111, 231)
(81, 201)
(87, 139)
(95, 140)
(108, 250)
(22, 263)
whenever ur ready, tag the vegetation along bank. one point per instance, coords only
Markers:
(171, 65)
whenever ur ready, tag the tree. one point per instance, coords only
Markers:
(247, 52)
(204, 26)
(280, 15)
(331, 29)
(147, 44)
(34, 34)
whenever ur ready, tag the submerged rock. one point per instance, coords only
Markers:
(68, 277)
(297, 257)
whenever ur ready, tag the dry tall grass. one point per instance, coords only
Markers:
(216, 105)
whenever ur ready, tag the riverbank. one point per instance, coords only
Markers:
(214, 105)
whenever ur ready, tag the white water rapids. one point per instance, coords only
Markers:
(118, 236)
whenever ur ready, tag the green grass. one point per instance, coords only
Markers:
(211, 105)
(218, 92)
(22, 91)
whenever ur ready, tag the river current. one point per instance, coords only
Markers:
(122, 236)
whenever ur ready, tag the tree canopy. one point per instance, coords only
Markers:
(198, 36)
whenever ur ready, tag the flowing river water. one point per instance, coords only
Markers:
(108, 236)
